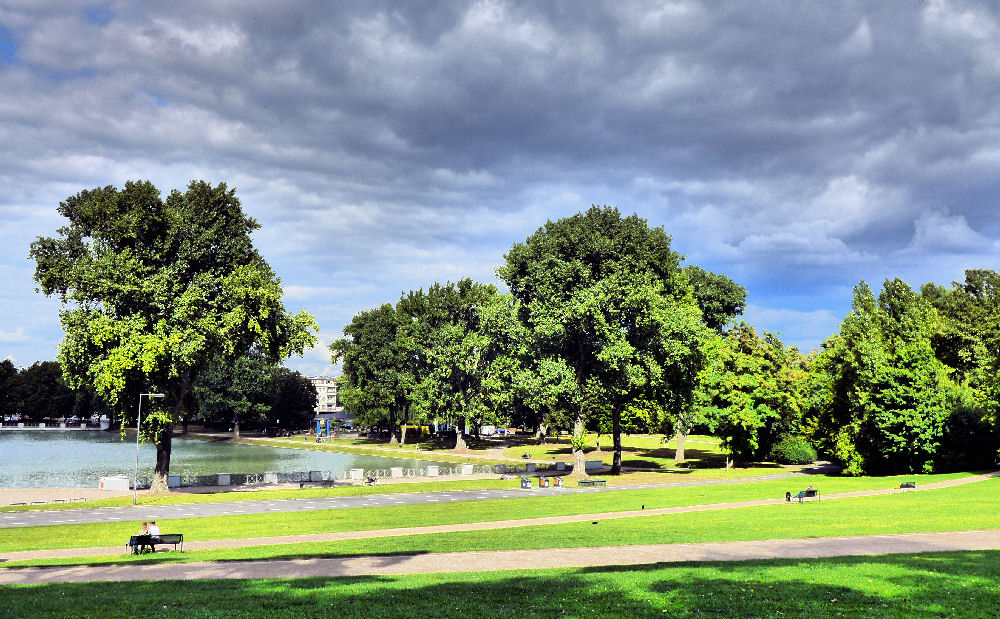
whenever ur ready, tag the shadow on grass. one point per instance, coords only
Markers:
(936, 584)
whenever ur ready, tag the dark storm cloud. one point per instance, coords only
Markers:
(796, 146)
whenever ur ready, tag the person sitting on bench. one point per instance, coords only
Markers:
(142, 539)
(154, 529)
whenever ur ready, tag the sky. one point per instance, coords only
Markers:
(797, 147)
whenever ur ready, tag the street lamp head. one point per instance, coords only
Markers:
(155, 395)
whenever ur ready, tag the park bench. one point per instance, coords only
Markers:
(807, 494)
(592, 482)
(139, 542)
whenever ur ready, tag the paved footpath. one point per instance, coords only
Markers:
(230, 508)
(518, 559)
(29, 555)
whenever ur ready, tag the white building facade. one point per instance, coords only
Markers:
(326, 395)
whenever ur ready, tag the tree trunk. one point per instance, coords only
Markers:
(163, 446)
(681, 439)
(402, 435)
(616, 435)
(236, 428)
(393, 429)
(579, 460)
(184, 424)
(163, 441)
(460, 439)
(540, 434)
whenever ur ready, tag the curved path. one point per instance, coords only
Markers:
(517, 559)
(229, 508)
(29, 555)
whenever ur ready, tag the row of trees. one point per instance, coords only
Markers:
(910, 381)
(603, 328)
(249, 391)
(908, 384)
(601, 318)
(252, 392)
(38, 392)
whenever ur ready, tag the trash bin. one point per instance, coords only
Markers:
(543, 482)
(525, 483)
(557, 482)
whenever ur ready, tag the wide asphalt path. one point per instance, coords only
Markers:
(234, 508)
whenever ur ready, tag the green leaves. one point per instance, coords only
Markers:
(885, 404)
(604, 297)
(752, 392)
(151, 289)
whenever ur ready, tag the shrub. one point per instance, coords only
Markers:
(793, 450)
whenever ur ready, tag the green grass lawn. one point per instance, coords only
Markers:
(953, 584)
(964, 507)
(638, 450)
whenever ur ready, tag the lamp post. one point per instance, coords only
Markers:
(138, 423)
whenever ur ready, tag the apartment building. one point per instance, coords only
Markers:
(326, 394)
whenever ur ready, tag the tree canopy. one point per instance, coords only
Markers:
(605, 296)
(153, 288)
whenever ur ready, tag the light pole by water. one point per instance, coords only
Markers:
(135, 483)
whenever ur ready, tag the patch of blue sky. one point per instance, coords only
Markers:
(160, 102)
(98, 16)
(8, 47)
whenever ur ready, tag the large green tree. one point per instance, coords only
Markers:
(463, 337)
(753, 391)
(153, 288)
(379, 369)
(238, 391)
(881, 397)
(606, 297)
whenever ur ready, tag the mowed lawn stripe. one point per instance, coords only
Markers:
(971, 507)
(368, 518)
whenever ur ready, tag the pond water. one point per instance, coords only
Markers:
(78, 459)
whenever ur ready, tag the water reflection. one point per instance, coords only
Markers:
(71, 459)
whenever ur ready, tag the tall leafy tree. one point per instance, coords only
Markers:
(153, 288)
(463, 337)
(606, 297)
(239, 391)
(884, 397)
(293, 400)
(720, 298)
(968, 338)
(378, 369)
(753, 392)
